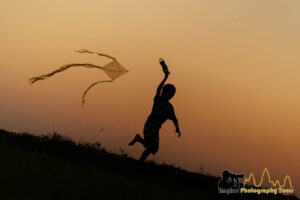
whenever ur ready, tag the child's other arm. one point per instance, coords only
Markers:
(175, 121)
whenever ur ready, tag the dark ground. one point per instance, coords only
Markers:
(52, 167)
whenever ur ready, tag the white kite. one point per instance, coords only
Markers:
(113, 69)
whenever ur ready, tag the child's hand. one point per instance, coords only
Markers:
(178, 131)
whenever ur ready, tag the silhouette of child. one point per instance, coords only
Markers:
(161, 111)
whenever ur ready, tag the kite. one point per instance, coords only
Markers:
(113, 69)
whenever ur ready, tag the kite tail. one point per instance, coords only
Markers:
(92, 85)
(92, 52)
(44, 76)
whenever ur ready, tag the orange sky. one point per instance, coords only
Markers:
(234, 63)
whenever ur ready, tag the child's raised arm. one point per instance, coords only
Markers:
(159, 88)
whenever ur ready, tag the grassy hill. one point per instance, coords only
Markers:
(53, 167)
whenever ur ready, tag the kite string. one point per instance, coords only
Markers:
(92, 85)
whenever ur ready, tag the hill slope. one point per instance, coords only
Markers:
(52, 167)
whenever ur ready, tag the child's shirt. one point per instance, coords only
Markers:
(161, 111)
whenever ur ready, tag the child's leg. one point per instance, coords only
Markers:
(145, 154)
(137, 138)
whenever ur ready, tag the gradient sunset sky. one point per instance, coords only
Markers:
(235, 65)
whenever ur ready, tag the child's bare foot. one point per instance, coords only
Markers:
(135, 139)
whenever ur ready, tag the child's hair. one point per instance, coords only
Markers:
(168, 91)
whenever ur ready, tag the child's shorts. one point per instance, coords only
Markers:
(151, 137)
